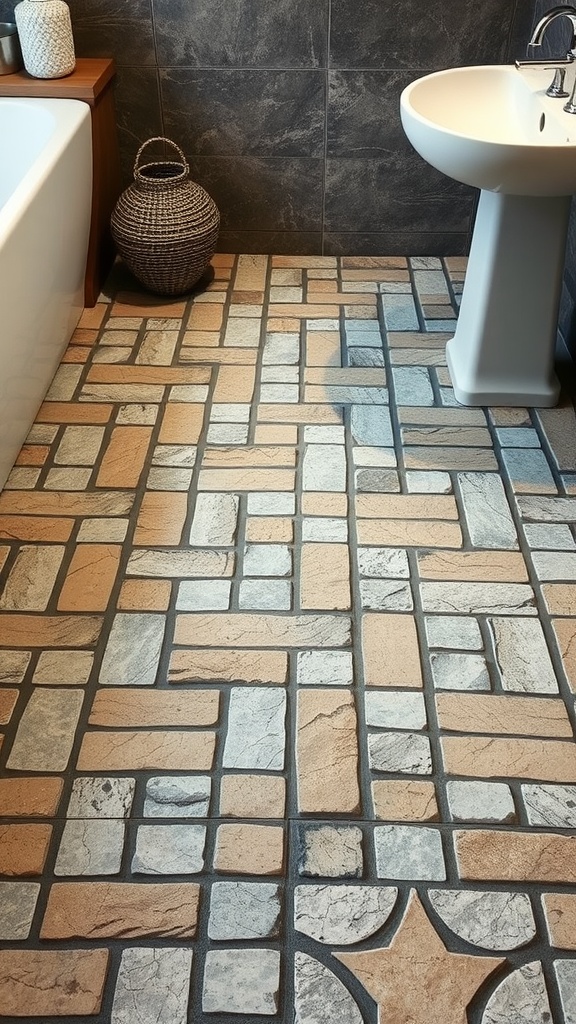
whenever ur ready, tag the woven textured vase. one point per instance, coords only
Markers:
(165, 226)
(45, 32)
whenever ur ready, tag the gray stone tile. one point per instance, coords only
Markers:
(325, 668)
(421, 482)
(547, 510)
(520, 997)
(281, 375)
(459, 671)
(22, 478)
(478, 598)
(412, 385)
(559, 426)
(518, 437)
(32, 577)
(17, 906)
(265, 594)
(371, 426)
(409, 852)
(244, 910)
(528, 471)
(554, 565)
(103, 531)
(490, 920)
(383, 563)
(480, 801)
(271, 504)
(230, 412)
(13, 665)
(454, 632)
(64, 383)
(373, 456)
(281, 349)
(267, 560)
(486, 511)
(386, 595)
(68, 668)
(317, 990)
(377, 480)
(188, 393)
(133, 650)
(241, 981)
(359, 356)
(227, 433)
(64, 479)
(182, 455)
(203, 595)
(45, 735)
(342, 914)
(330, 851)
(554, 806)
(324, 468)
(137, 413)
(368, 338)
(335, 394)
(395, 710)
(101, 797)
(314, 434)
(256, 736)
(162, 479)
(90, 847)
(173, 796)
(331, 531)
(549, 536)
(169, 850)
(566, 977)
(173, 562)
(400, 312)
(279, 392)
(215, 520)
(522, 656)
(404, 752)
(153, 986)
(79, 446)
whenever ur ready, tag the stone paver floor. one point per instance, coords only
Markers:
(287, 668)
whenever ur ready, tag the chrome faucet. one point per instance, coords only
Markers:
(556, 88)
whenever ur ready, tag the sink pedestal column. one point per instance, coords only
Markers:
(503, 350)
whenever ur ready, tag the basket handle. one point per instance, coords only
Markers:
(157, 138)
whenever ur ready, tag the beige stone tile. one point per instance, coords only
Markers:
(565, 630)
(124, 457)
(249, 850)
(49, 630)
(457, 435)
(139, 394)
(35, 528)
(304, 310)
(97, 910)
(484, 757)
(205, 316)
(423, 533)
(252, 456)
(251, 273)
(32, 455)
(63, 668)
(246, 479)
(134, 751)
(93, 317)
(84, 336)
(252, 796)
(161, 518)
(269, 529)
(326, 285)
(228, 666)
(282, 324)
(90, 578)
(30, 797)
(65, 503)
(510, 417)
(560, 911)
(219, 356)
(324, 503)
(341, 298)
(323, 348)
(235, 384)
(8, 698)
(275, 434)
(45, 983)
(157, 348)
(236, 629)
(31, 578)
(406, 506)
(72, 412)
(138, 708)
(440, 416)
(112, 374)
(305, 262)
(327, 752)
(202, 340)
(390, 651)
(449, 458)
(404, 800)
(560, 598)
(325, 577)
(504, 714)
(145, 595)
(420, 357)
(393, 272)
(416, 341)
(354, 376)
(277, 413)
(502, 566)
(515, 857)
(181, 423)
(23, 849)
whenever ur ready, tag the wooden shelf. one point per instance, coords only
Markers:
(88, 80)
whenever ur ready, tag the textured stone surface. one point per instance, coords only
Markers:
(327, 751)
(249, 849)
(459, 671)
(490, 920)
(183, 796)
(60, 982)
(244, 910)
(342, 914)
(169, 850)
(400, 752)
(398, 710)
(17, 905)
(522, 656)
(520, 999)
(560, 912)
(330, 851)
(152, 986)
(324, 668)
(319, 996)
(46, 731)
(487, 512)
(480, 801)
(256, 736)
(133, 650)
(554, 806)
(92, 847)
(506, 856)
(94, 910)
(404, 851)
(241, 981)
(566, 977)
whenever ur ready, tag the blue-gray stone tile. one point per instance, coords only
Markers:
(528, 471)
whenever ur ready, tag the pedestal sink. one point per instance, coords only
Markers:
(493, 127)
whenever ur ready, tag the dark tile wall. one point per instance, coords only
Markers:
(288, 111)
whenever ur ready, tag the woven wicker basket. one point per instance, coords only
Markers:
(164, 225)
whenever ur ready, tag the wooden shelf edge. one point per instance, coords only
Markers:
(88, 80)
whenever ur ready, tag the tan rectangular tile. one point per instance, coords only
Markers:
(110, 373)
(417, 340)
(138, 751)
(271, 433)
(501, 566)
(516, 857)
(235, 384)
(303, 310)
(325, 577)
(96, 910)
(223, 259)
(234, 356)
(323, 348)
(341, 298)
(90, 578)
(368, 262)
(204, 340)
(409, 533)
(252, 796)
(485, 757)
(30, 797)
(23, 849)
(390, 651)
(565, 630)
(243, 849)
(391, 273)
(404, 800)
(406, 506)
(247, 298)
(249, 456)
(304, 262)
(124, 457)
(327, 752)
(8, 698)
(32, 455)
(228, 666)
(420, 357)
(560, 598)
(236, 629)
(282, 324)
(46, 983)
(245, 479)
(161, 518)
(269, 529)
(65, 503)
(327, 285)
(49, 630)
(205, 316)
(93, 317)
(449, 458)
(181, 423)
(457, 435)
(443, 417)
(145, 595)
(75, 354)
(136, 394)
(347, 376)
(324, 503)
(504, 714)
(299, 414)
(251, 273)
(138, 708)
(84, 336)
(73, 412)
(560, 911)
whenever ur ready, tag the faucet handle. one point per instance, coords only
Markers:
(556, 87)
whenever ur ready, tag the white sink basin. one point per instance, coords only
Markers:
(493, 127)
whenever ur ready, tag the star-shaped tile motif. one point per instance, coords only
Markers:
(416, 980)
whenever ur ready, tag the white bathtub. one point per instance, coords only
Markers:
(45, 202)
